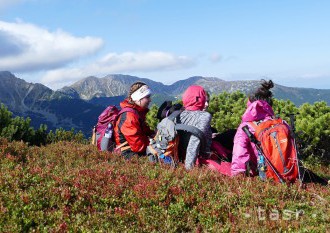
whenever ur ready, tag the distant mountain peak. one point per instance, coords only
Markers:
(198, 78)
(80, 104)
(118, 85)
(18, 94)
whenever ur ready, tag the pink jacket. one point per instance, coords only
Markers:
(244, 150)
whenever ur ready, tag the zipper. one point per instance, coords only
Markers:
(274, 135)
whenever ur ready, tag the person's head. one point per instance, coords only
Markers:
(207, 101)
(140, 94)
(194, 98)
(263, 92)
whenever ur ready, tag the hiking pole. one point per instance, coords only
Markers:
(257, 143)
(293, 134)
(293, 130)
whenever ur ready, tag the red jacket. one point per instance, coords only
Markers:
(132, 127)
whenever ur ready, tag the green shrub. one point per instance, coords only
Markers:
(19, 129)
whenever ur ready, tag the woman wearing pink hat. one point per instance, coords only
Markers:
(194, 99)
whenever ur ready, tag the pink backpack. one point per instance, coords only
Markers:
(103, 136)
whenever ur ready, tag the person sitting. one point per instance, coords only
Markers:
(131, 131)
(194, 99)
(219, 152)
(259, 108)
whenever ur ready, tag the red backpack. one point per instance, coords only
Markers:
(274, 141)
(103, 136)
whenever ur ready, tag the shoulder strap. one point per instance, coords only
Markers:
(194, 131)
(123, 110)
(127, 109)
(187, 128)
(174, 115)
(255, 124)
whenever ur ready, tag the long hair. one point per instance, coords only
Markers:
(263, 92)
(133, 88)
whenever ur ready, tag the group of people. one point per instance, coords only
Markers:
(240, 154)
(132, 127)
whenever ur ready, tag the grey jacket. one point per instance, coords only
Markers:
(202, 121)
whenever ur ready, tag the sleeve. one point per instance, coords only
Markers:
(135, 133)
(193, 148)
(204, 124)
(243, 151)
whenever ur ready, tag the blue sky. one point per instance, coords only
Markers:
(58, 42)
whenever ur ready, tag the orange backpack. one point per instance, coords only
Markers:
(277, 146)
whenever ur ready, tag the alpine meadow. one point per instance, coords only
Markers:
(56, 181)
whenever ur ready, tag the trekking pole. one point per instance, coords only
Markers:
(293, 134)
(257, 143)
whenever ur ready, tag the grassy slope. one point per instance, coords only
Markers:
(72, 187)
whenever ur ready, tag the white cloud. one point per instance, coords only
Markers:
(31, 48)
(59, 78)
(118, 63)
(147, 61)
(28, 49)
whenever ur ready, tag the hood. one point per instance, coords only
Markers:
(194, 98)
(257, 110)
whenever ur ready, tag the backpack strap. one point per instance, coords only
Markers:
(188, 128)
(194, 131)
(174, 115)
(127, 109)
(122, 147)
(254, 124)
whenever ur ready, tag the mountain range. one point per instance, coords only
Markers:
(79, 105)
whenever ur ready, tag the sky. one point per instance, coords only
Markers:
(58, 42)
